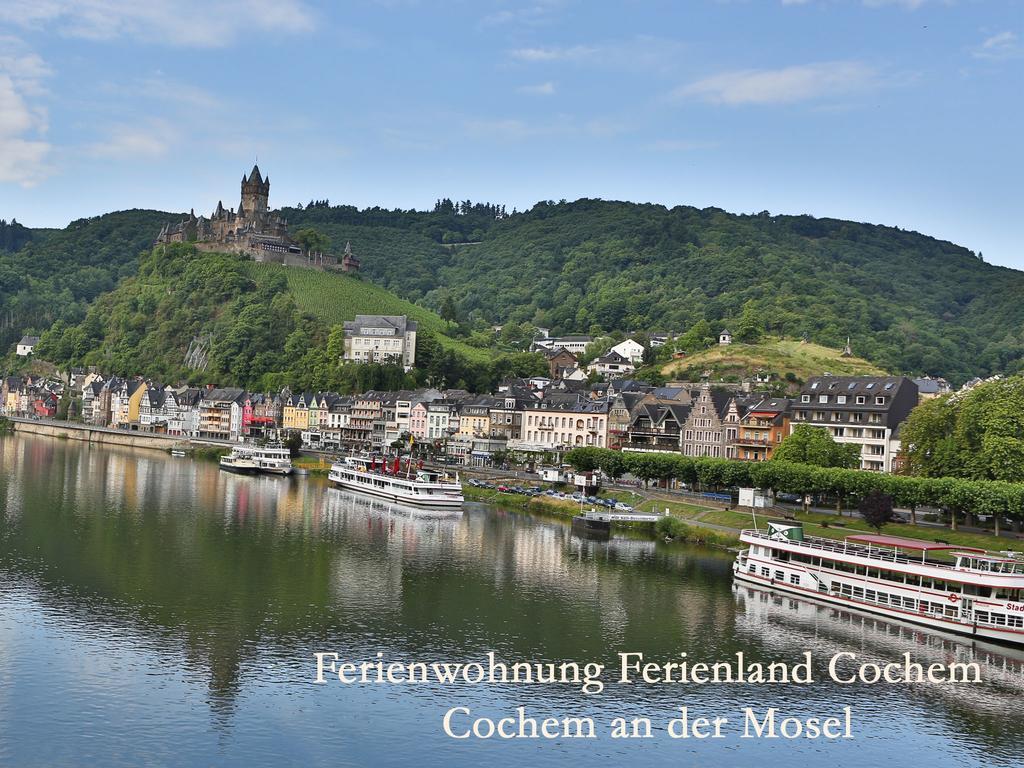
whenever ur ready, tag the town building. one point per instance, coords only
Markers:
(611, 365)
(630, 349)
(763, 426)
(381, 339)
(862, 410)
(574, 344)
(560, 361)
(562, 422)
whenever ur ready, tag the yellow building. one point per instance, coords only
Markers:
(295, 414)
(135, 401)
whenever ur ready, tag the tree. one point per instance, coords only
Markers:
(814, 445)
(293, 443)
(750, 326)
(876, 509)
(312, 240)
(448, 311)
(612, 464)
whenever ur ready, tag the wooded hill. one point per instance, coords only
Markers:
(909, 302)
(224, 319)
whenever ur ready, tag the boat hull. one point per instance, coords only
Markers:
(244, 470)
(397, 495)
(1009, 637)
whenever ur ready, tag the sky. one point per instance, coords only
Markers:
(900, 112)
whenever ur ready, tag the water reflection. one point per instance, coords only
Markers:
(170, 574)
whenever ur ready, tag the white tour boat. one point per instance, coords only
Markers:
(973, 592)
(255, 459)
(421, 488)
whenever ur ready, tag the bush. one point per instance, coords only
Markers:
(670, 527)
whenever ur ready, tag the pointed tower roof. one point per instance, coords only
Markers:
(254, 174)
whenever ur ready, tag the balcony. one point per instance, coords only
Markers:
(761, 442)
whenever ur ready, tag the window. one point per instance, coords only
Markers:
(861, 399)
(794, 578)
(805, 398)
(880, 400)
(822, 398)
(841, 399)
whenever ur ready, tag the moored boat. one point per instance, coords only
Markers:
(944, 586)
(422, 488)
(256, 460)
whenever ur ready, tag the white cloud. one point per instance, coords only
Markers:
(540, 89)
(538, 13)
(781, 86)
(555, 53)
(193, 23)
(24, 152)
(641, 53)
(1004, 45)
(150, 139)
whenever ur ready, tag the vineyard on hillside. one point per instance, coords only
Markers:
(335, 298)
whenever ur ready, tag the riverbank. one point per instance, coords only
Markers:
(671, 527)
(694, 523)
(69, 430)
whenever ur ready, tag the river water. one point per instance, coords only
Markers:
(158, 611)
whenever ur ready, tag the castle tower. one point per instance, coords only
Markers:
(255, 193)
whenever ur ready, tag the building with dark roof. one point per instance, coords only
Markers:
(862, 410)
(381, 339)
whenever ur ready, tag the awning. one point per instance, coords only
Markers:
(902, 543)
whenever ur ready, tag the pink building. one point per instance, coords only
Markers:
(418, 421)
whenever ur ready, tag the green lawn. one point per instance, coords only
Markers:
(773, 355)
(335, 298)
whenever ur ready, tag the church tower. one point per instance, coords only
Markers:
(255, 193)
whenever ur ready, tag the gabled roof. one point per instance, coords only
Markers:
(400, 323)
(613, 358)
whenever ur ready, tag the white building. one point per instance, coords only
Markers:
(381, 339)
(611, 366)
(575, 344)
(631, 350)
(26, 345)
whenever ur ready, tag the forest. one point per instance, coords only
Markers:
(910, 303)
(254, 328)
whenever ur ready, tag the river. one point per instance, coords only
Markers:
(155, 610)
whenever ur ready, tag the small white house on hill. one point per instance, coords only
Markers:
(26, 345)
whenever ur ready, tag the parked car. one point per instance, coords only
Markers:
(620, 507)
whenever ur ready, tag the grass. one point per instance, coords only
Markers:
(335, 298)
(779, 356)
(694, 516)
(312, 464)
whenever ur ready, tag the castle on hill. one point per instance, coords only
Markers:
(254, 230)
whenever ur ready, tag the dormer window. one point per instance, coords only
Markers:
(861, 399)
(822, 398)
(879, 400)
(841, 399)
(805, 398)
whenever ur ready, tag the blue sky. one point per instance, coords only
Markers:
(901, 112)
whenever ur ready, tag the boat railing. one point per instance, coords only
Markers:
(846, 548)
